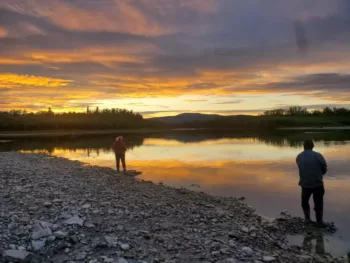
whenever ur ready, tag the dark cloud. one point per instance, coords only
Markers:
(157, 47)
(332, 82)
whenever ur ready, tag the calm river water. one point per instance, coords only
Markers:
(259, 167)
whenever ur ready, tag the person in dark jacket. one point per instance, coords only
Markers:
(119, 149)
(312, 166)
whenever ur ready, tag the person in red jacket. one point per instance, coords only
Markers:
(119, 149)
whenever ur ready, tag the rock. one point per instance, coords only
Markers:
(107, 259)
(74, 220)
(111, 240)
(47, 204)
(38, 244)
(245, 229)
(89, 225)
(122, 260)
(230, 260)
(125, 246)
(81, 256)
(215, 253)
(42, 232)
(247, 251)
(51, 238)
(269, 259)
(19, 255)
(21, 248)
(60, 234)
(86, 206)
(12, 246)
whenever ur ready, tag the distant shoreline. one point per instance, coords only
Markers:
(66, 133)
(4, 135)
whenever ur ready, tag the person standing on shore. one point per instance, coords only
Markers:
(119, 149)
(312, 166)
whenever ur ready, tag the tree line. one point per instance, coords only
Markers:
(96, 119)
(300, 111)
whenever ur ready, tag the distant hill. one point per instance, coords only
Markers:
(186, 118)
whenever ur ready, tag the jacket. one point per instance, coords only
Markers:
(312, 167)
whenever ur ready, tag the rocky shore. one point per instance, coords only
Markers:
(57, 210)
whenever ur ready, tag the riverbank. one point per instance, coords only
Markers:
(59, 210)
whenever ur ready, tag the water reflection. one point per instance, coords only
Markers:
(260, 167)
(319, 247)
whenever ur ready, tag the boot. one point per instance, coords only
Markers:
(307, 215)
(319, 219)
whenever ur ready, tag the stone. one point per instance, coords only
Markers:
(47, 204)
(42, 232)
(38, 244)
(19, 255)
(51, 238)
(81, 256)
(60, 234)
(230, 260)
(107, 259)
(247, 251)
(269, 259)
(122, 260)
(111, 240)
(44, 224)
(245, 229)
(12, 246)
(86, 206)
(125, 246)
(74, 220)
(89, 225)
(215, 253)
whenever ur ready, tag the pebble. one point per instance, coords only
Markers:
(86, 206)
(247, 251)
(47, 204)
(38, 244)
(42, 232)
(130, 218)
(125, 246)
(81, 256)
(74, 220)
(60, 234)
(13, 254)
(269, 259)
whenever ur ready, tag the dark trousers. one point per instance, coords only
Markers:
(317, 194)
(118, 158)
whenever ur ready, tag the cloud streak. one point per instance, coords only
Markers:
(155, 48)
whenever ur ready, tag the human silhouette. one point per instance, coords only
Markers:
(119, 149)
(312, 166)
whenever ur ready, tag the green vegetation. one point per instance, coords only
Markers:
(121, 119)
(300, 112)
(48, 120)
(278, 118)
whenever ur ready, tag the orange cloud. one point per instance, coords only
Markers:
(15, 61)
(8, 80)
(3, 32)
(115, 16)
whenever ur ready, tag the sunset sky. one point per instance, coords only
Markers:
(164, 57)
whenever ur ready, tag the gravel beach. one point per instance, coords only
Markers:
(56, 210)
